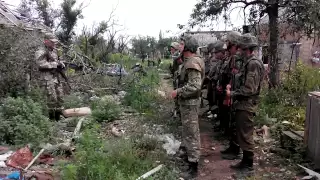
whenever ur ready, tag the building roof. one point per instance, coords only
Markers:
(12, 18)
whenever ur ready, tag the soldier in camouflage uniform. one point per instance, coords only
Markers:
(235, 63)
(177, 61)
(188, 93)
(47, 60)
(246, 100)
(221, 83)
(211, 90)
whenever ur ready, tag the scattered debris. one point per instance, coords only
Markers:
(172, 145)
(311, 173)
(146, 175)
(162, 94)
(265, 132)
(116, 131)
(20, 159)
(34, 159)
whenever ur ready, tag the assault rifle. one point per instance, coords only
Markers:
(59, 69)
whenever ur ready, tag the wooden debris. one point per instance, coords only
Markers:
(76, 112)
(146, 175)
(290, 139)
(310, 172)
(34, 159)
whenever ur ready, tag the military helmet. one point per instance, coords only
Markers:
(175, 45)
(248, 41)
(210, 46)
(220, 46)
(50, 37)
(190, 44)
(233, 37)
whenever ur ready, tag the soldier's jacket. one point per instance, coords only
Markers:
(216, 71)
(235, 64)
(190, 80)
(47, 65)
(250, 81)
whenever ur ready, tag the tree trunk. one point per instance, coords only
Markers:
(273, 12)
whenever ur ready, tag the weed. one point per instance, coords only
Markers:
(105, 110)
(116, 159)
(23, 122)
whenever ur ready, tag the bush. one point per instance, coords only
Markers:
(288, 101)
(23, 122)
(97, 159)
(105, 110)
(73, 101)
(142, 93)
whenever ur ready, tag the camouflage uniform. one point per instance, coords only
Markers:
(50, 80)
(176, 73)
(234, 66)
(189, 91)
(247, 96)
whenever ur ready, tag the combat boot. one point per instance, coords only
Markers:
(232, 152)
(246, 164)
(192, 171)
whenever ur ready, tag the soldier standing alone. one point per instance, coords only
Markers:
(48, 64)
(188, 93)
(247, 97)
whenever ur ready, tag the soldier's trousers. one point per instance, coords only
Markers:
(210, 93)
(190, 131)
(54, 94)
(245, 129)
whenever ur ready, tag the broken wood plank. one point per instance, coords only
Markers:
(76, 112)
(34, 159)
(146, 175)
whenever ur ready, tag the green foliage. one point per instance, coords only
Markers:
(126, 61)
(73, 101)
(97, 159)
(22, 122)
(142, 94)
(288, 101)
(165, 64)
(105, 110)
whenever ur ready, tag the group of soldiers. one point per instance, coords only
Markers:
(232, 75)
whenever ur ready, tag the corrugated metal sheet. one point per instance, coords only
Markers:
(312, 127)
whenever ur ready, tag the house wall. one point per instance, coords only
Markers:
(301, 52)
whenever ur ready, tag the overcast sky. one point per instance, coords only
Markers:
(143, 17)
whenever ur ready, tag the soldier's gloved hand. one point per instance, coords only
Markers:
(61, 65)
(174, 94)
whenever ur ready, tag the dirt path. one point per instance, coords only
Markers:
(213, 167)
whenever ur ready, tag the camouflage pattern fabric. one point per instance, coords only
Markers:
(192, 73)
(50, 78)
(190, 131)
(250, 79)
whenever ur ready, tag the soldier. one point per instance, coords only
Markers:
(235, 63)
(48, 63)
(246, 97)
(222, 80)
(177, 61)
(188, 93)
(211, 83)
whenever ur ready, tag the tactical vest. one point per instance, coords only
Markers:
(194, 62)
(243, 74)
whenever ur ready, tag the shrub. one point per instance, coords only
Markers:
(105, 110)
(288, 101)
(142, 93)
(22, 122)
(97, 159)
(73, 101)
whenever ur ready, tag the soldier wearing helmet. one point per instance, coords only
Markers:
(246, 97)
(177, 61)
(188, 93)
(235, 62)
(48, 63)
(211, 93)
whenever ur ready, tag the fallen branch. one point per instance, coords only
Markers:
(146, 175)
(34, 159)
